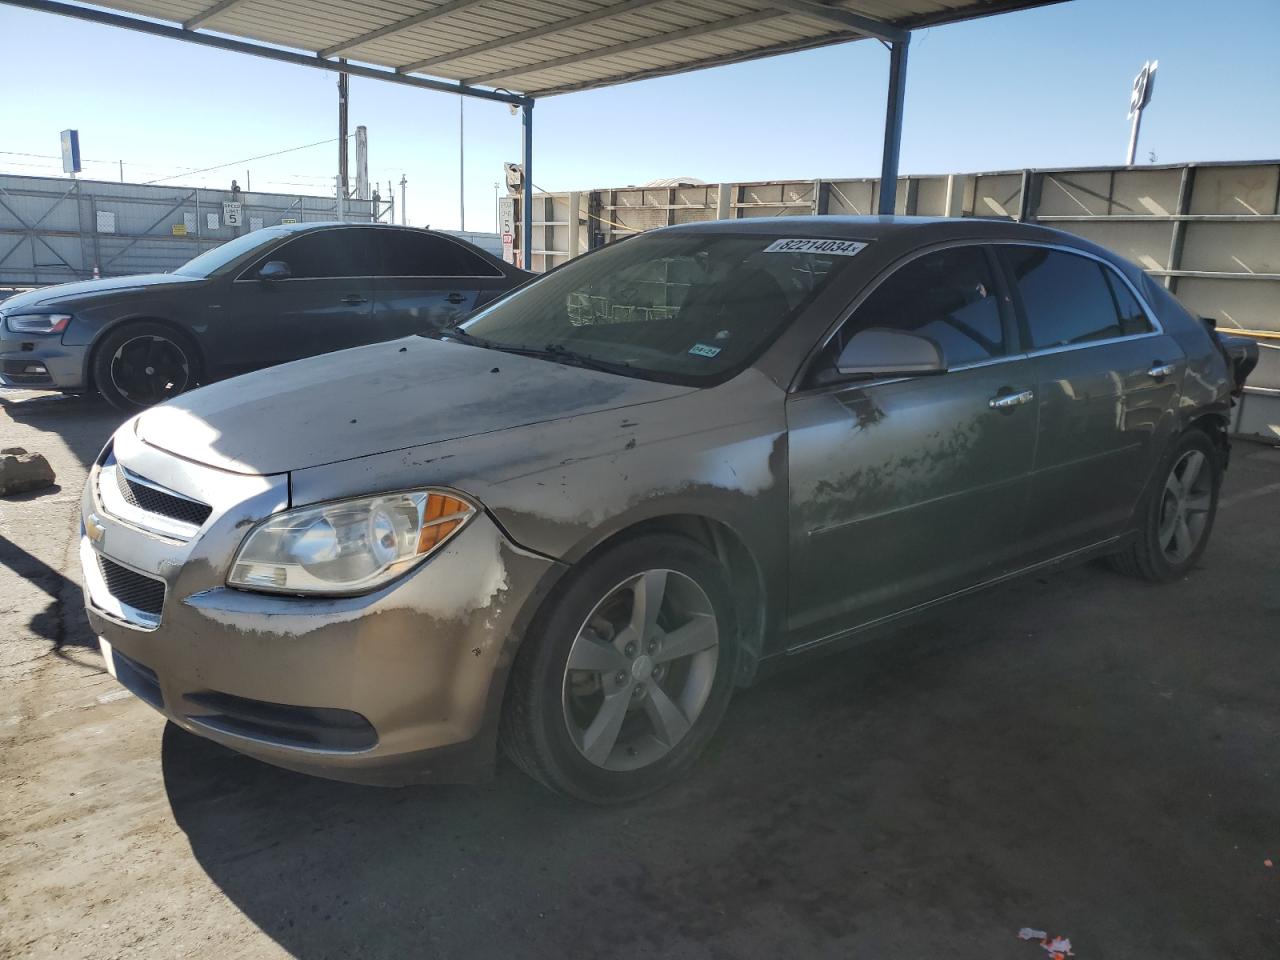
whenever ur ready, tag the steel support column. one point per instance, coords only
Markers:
(526, 205)
(893, 124)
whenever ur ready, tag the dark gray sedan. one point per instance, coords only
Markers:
(575, 523)
(269, 296)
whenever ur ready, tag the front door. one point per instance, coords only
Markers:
(906, 490)
(1105, 379)
(325, 304)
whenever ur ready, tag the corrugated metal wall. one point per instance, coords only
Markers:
(1210, 232)
(53, 230)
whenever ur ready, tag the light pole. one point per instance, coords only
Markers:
(1143, 86)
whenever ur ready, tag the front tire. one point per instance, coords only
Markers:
(141, 364)
(626, 675)
(1176, 517)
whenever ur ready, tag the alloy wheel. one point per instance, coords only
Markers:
(147, 369)
(1184, 507)
(640, 670)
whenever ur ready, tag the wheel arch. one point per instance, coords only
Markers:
(746, 578)
(1216, 424)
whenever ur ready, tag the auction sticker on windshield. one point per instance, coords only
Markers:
(841, 248)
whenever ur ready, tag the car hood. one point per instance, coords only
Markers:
(378, 398)
(64, 293)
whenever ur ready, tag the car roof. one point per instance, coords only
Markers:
(329, 224)
(919, 229)
(897, 235)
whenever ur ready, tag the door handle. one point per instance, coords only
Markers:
(455, 298)
(354, 298)
(1160, 370)
(1007, 401)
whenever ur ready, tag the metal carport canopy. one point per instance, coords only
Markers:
(516, 51)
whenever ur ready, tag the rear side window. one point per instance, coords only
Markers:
(1070, 299)
(948, 296)
(1133, 319)
(324, 254)
(402, 253)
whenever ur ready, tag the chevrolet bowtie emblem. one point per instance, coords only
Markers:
(93, 528)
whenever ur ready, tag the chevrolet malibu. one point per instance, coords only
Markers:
(574, 523)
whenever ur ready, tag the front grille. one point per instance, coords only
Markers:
(135, 589)
(155, 501)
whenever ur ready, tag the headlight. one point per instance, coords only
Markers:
(38, 322)
(349, 546)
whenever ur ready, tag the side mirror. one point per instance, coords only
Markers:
(880, 352)
(275, 270)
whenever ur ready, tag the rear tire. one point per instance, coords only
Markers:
(612, 695)
(1177, 513)
(145, 363)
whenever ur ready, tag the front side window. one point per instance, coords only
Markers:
(403, 253)
(324, 254)
(686, 308)
(1069, 299)
(948, 296)
(213, 261)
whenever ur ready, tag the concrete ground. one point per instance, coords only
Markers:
(1078, 753)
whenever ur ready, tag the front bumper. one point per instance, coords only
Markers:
(402, 685)
(40, 362)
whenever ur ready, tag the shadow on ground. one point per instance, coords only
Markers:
(81, 425)
(1073, 753)
(82, 422)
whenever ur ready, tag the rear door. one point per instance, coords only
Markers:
(1106, 375)
(325, 304)
(906, 489)
(426, 281)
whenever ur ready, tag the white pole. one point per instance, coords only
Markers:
(1133, 137)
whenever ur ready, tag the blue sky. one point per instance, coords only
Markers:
(1046, 87)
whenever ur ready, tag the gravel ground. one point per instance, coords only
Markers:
(1078, 753)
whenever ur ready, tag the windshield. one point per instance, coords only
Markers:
(211, 261)
(688, 308)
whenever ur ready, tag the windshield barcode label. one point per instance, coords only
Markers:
(840, 248)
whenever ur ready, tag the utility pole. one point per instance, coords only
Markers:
(404, 211)
(344, 82)
(122, 171)
(462, 178)
(247, 186)
(1143, 86)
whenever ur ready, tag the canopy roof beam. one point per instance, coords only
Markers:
(443, 10)
(556, 26)
(856, 22)
(204, 16)
(261, 50)
(600, 53)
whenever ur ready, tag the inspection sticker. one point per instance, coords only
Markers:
(841, 248)
(703, 350)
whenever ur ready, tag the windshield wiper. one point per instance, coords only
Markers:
(560, 354)
(456, 332)
(552, 351)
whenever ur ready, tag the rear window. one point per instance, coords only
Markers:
(1070, 299)
(404, 253)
